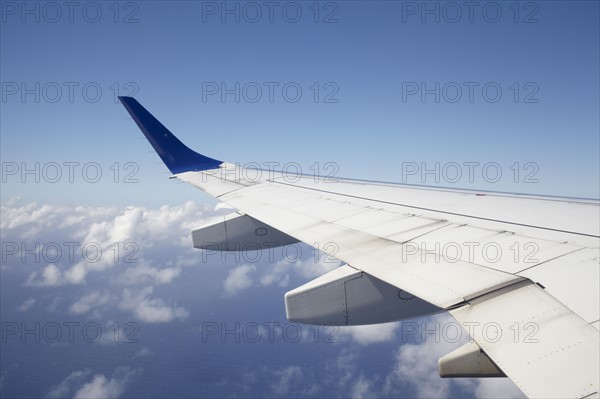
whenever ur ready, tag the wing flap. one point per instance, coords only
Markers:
(573, 279)
(534, 339)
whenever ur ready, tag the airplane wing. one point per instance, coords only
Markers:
(520, 273)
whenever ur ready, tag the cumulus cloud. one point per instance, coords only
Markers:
(16, 215)
(145, 274)
(143, 352)
(370, 334)
(63, 389)
(89, 301)
(101, 234)
(27, 220)
(26, 305)
(238, 279)
(314, 267)
(343, 370)
(51, 276)
(277, 274)
(100, 387)
(416, 364)
(161, 232)
(103, 387)
(280, 273)
(99, 238)
(150, 310)
(362, 388)
(285, 379)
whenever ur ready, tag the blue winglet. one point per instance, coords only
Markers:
(173, 152)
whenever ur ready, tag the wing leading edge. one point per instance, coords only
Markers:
(386, 242)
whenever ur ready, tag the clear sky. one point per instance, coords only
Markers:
(483, 95)
(369, 69)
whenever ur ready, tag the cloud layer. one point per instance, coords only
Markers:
(145, 256)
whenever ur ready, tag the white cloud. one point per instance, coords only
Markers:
(116, 234)
(15, 216)
(362, 388)
(143, 352)
(286, 379)
(145, 274)
(31, 219)
(370, 334)
(100, 387)
(343, 369)
(314, 267)
(125, 225)
(280, 273)
(103, 387)
(51, 276)
(77, 273)
(416, 364)
(150, 310)
(89, 301)
(238, 279)
(26, 305)
(62, 390)
(153, 232)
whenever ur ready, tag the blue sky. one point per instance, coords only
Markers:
(169, 58)
(385, 87)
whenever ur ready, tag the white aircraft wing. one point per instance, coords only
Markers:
(520, 273)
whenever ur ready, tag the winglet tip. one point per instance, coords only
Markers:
(176, 156)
